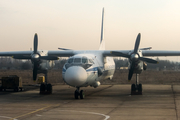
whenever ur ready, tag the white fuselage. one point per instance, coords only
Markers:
(87, 69)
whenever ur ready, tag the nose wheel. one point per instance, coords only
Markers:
(78, 94)
(136, 89)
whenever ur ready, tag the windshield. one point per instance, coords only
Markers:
(70, 60)
(84, 60)
(79, 61)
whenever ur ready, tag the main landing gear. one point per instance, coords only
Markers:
(45, 88)
(78, 94)
(136, 89)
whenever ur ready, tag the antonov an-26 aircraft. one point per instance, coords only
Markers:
(86, 68)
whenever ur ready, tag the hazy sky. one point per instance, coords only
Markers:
(76, 24)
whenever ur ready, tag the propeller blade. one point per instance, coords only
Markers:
(131, 71)
(35, 71)
(148, 60)
(120, 54)
(49, 58)
(35, 43)
(136, 47)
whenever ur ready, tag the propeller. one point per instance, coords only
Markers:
(36, 57)
(134, 57)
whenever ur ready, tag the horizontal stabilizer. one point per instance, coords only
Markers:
(146, 48)
(63, 49)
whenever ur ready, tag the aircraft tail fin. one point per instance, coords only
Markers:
(102, 41)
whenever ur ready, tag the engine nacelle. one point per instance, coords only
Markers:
(46, 65)
(96, 84)
(144, 66)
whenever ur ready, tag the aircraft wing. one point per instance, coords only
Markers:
(12, 53)
(28, 54)
(109, 52)
(64, 53)
(18, 54)
(68, 53)
(160, 53)
(149, 53)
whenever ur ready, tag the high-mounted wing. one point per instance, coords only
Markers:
(147, 53)
(152, 53)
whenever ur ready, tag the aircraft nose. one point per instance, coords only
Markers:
(75, 76)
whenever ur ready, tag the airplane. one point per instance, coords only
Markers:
(87, 67)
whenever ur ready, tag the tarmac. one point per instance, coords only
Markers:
(107, 102)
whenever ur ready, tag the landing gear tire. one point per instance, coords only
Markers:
(16, 89)
(136, 89)
(76, 94)
(133, 89)
(45, 89)
(42, 88)
(82, 94)
(140, 89)
(49, 88)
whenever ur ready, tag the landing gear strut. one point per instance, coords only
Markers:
(136, 89)
(45, 88)
(78, 94)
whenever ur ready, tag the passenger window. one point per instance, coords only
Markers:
(77, 60)
(84, 60)
(70, 60)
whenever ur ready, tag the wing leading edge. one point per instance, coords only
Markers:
(28, 54)
(149, 53)
(160, 53)
(68, 53)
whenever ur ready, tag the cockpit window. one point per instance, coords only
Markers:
(91, 61)
(81, 61)
(70, 60)
(77, 60)
(84, 60)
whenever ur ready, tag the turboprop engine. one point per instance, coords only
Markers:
(39, 59)
(135, 57)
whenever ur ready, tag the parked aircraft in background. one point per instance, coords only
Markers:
(86, 68)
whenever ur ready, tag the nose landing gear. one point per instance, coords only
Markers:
(78, 94)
